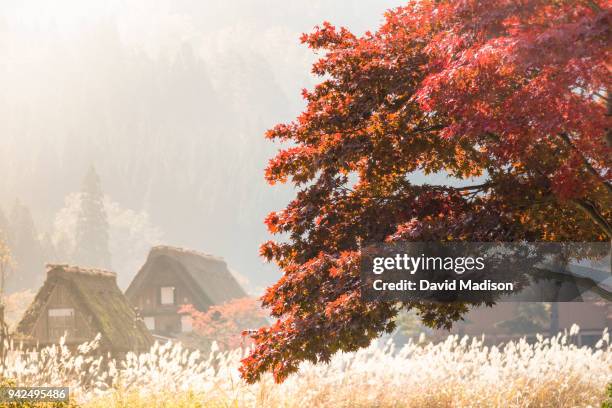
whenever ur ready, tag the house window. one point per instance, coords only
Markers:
(167, 295)
(61, 322)
(186, 326)
(64, 312)
(149, 321)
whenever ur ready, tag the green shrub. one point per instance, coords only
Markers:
(608, 402)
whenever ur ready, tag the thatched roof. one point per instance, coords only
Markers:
(97, 294)
(208, 276)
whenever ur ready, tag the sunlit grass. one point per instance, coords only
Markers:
(459, 372)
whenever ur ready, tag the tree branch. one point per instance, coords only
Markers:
(594, 6)
(588, 165)
(593, 213)
(582, 281)
(482, 186)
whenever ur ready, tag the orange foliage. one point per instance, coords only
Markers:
(225, 323)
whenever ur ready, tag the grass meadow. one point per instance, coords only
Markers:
(458, 372)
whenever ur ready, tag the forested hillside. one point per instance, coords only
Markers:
(170, 107)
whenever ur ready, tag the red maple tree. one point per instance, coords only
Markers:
(513, 91)
(225, 323)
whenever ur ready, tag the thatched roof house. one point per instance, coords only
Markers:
(172, 277)
(82, 303)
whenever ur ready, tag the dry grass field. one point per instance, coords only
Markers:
(459, 372)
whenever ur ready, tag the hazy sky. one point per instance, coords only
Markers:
(270, 27)
(168, 99)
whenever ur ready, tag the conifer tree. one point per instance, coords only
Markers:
(5, 253)
(4, 227)
(27, 251)
(6, 262)
(92, 248)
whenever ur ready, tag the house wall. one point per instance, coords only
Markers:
(61, 298)
(592, 317)
(148, 298)
(483, 320)
(589, 316)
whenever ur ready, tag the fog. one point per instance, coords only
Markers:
(168, 100)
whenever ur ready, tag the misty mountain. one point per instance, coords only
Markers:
(170, 107)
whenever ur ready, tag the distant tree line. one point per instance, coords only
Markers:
(29, 249)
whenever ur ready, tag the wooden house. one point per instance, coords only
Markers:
(591, 316)
(511, 320)
(80, 303)
(172, 277)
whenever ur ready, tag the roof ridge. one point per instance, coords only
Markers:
(80, 270)
(180, 250)
(210, 277)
